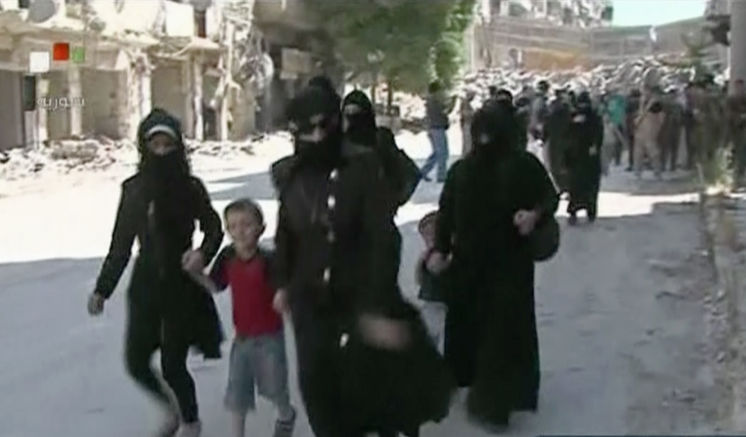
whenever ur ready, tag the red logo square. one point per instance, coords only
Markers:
(61, 51)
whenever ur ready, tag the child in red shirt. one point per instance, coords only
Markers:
(257, 356)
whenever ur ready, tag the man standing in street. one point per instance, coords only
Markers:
(437, 110)
(648, 127)
(616, 110)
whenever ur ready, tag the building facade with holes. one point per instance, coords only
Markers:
(137, 55)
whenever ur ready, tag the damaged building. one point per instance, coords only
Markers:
(224, 68)
(554, 34)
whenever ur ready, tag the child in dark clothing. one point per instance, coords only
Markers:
(431, 290)
(257, 357)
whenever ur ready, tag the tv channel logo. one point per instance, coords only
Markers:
(41, 61)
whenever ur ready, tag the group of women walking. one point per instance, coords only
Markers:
(365, 360)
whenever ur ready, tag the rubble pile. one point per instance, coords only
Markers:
(86, 154)
(623, 77)
(66, 156)
(222, 148)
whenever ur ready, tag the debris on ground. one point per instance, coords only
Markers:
(97, 153)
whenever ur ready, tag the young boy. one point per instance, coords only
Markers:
(431, 288)
(257, 356)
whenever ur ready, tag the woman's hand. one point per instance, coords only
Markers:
(95, 304)
(280, 301)
(193, 261)
(383, 332)
(437, 262)
(525, 221)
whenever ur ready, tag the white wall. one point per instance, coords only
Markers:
(139, 15)
(179, 19)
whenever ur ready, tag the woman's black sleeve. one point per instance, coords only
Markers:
(445, 224)
(284, 254)
(380, 290)
(209, 223)
(542, 188)
(120, 249)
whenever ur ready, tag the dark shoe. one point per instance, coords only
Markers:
(426, 178)
(573, 220)
(284, 428)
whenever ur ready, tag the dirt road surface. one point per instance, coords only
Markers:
(622, 324)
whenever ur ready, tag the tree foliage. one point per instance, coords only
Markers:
(407, 42)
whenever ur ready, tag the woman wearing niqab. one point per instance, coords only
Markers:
(167, 309)
(333, 253)
(584, 159)
(489, 206)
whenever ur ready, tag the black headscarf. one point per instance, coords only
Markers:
(493, 132)
(361, 126)
(309, 103)
(325, 84)
(584, 103)
(175, 164)
(168, 185)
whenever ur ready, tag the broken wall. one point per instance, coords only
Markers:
(168, 90)
(58, 121)
(105, 107)
(11, 110)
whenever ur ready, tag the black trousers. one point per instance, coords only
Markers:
(148, 331)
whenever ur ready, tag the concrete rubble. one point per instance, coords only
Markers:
(624, 77)
(85, 154)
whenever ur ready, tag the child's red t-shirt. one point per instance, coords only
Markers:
(251, 292)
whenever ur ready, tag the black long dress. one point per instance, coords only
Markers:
(334, 260)
(559, 141)
(584, 159)
(491, 339)
(158, 286)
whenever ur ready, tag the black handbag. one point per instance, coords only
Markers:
(545, 239)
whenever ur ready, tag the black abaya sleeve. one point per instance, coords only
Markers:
(379, 289)
(542, 192)
(598, 133)
(446, 221)
(282, 265)
(120, 249)
(209, 223)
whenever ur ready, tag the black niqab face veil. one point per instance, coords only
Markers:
(167, 176)
(360, 118)
(313, 116)
(492, 131)
(167, 169)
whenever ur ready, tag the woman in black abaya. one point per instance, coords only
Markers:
(336, 277)
(167, 310)
(491, 202)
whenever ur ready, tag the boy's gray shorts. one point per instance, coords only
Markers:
(257, 362)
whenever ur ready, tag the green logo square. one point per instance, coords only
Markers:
(77, 54)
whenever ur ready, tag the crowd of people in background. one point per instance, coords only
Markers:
(581, 133)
